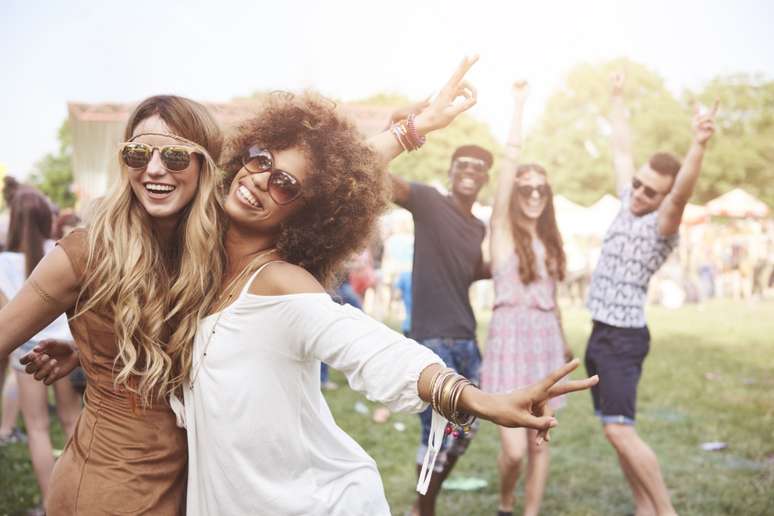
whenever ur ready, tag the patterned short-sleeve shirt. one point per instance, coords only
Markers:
(633, 250)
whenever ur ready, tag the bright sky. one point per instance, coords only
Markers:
(89, 51)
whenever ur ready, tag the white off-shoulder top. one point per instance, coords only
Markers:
(261, 438)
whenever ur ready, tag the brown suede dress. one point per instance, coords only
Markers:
(122, 458)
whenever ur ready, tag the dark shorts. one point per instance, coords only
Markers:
(616, 355)
(464, 357)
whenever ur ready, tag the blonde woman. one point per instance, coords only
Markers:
(135, 285)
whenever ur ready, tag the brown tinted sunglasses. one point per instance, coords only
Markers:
(283, 187)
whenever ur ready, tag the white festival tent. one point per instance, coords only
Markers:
(738, 204)
(577, 220)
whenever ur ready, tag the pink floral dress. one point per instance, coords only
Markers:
(525, 340)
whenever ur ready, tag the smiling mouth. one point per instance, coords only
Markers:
(159, 189)
(247, 196)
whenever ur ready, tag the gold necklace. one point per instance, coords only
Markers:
(230, 290)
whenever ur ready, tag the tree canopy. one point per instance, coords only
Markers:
(743, 153)
(53, 174)
(571, 138)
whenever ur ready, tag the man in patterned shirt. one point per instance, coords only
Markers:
(637, 243)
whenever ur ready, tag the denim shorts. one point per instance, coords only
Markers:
(616, 355)
(463, 356)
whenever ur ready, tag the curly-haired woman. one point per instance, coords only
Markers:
(135, 285)
(526, 339)
(304, 193)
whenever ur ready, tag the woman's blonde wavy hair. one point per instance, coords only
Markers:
(156, 291)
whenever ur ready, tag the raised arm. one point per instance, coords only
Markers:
(388, 147)
(671, 211)
(501, 239)
(623, 159)
(51, 289)
(437, 114)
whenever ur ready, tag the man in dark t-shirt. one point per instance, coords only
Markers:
(447, 259)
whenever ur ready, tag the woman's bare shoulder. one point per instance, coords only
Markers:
(282, 278)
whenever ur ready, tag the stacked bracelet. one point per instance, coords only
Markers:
(399, 132)
(406, 133)
(446, 389)
(412, 131)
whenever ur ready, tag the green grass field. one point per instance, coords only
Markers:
(680, 406)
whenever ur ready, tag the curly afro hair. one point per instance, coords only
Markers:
(343, 196)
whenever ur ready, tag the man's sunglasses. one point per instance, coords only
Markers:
(478, 166)
(649, 192)
(175, 158)
(527, 190)
(283, 188)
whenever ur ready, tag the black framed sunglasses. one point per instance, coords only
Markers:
(526, 190)
(649, 192)
(478, 166)
(283, 187)
(175, 158)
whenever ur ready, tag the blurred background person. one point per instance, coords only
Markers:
(65, 222)
(526, 339)
(636, 245)
(28, 241)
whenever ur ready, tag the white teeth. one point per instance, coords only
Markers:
(245, 194)
(155, 187)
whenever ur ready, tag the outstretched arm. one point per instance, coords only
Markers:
(51, 289)
(526, 407)
(429, 117)
(623, 159)
(501, 240)
(388, 147)
(671, 211)
(394, 370)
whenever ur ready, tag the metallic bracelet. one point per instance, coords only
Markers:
(398, 132)
(460, 418)
(446, 393)
(439, 381)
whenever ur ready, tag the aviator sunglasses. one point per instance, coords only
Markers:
(175, 158)
(526, 190)
(283, 188)
(649, 192)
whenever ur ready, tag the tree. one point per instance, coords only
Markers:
(572, 138)
(53, 174)
(742, 153)
(431, 163)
